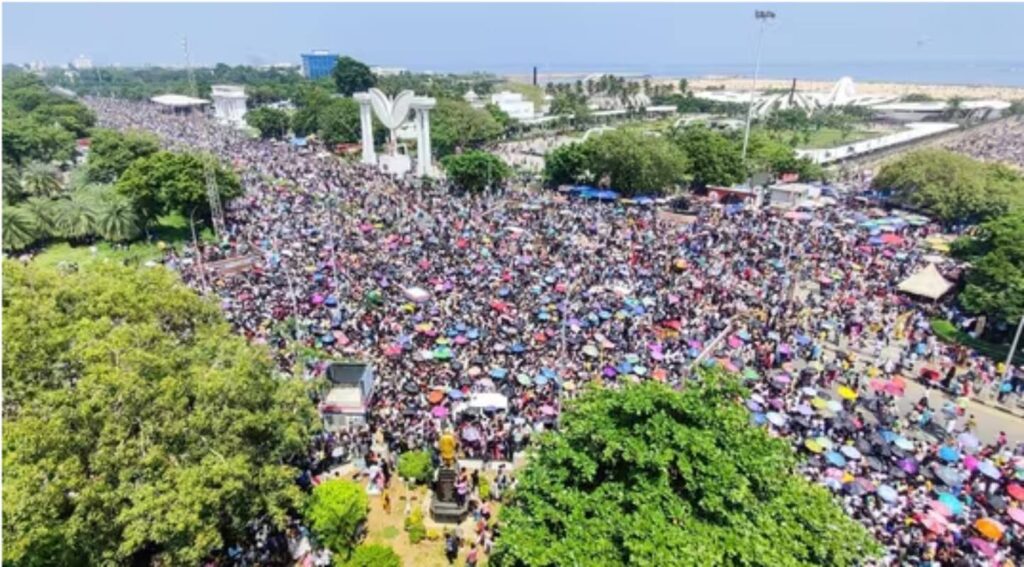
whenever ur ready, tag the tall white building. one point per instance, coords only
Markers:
(82, 62)
(229, 104)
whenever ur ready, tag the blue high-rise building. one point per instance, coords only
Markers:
(318, 64)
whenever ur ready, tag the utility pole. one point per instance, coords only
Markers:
(762, 16)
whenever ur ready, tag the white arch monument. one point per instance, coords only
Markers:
(393, 113)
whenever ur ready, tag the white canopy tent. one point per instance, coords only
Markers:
(927, 282)
(176, 101)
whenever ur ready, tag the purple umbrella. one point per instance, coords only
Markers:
(317, 299)
(547, 410)
(908, 465)
(782, 378)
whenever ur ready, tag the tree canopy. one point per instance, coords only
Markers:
(40, 125)
(167, 182)
(372, 555)
(271, 122)
(454, 124)
(651, 476)
(352, 76)
(475, 170)
(111, 152)
(950, 186)
(630, 161)
(995, 278)
(138, 428)
(336, 512)
(714, 159)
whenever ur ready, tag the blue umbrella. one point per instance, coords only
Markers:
(988, 469)
(754, 406)
(605, 315)
(949, 454)
(327, 339)
(624, 368)
(887, 493)
(455, 394)
(498, 373)
(473, 334)
(875, 241)
(540, 380)
(543, 316)
(331, 301)
(835, 458)
(743, 335)
(460, 327)
(517, 348)
(758, 418)
(547, 372)
(503, 292)
(952, 502)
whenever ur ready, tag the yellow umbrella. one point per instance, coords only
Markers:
(819, 403)
(813, 446)
(846, 393)
(847, 478)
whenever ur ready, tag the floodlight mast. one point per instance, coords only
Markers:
(762, 16)
(212, 191)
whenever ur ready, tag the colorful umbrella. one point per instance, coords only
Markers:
(949, 454)
(847, 393)
(988, 469)
(887, 493)
(955, 506)
(990, 528)
(1016, 514)
(498, 373)
(435, 396)
(813, 446)
(439, 411)
(1016, 491)
(835, 458)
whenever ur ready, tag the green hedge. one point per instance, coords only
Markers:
(947, 332)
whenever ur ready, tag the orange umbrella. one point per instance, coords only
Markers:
(659, 374)
(989, 528)
(435, 397)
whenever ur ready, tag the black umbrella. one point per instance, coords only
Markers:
(410, 412)
(864, 447)
(456, 365)
(997, 503)
(411, 387)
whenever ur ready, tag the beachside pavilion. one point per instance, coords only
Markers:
(179, 103)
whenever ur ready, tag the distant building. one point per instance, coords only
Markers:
(229, 104)
(318, 64)
(387, 71)
(513, 104)
(82, 62)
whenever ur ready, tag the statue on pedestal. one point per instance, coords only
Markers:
(443, 506)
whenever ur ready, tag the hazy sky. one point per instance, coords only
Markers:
(513, 37)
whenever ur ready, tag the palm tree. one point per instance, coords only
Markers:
(43, 210)
(75, 218)
(117, 220)
(19, 228)
(41, 179)
(12, 183)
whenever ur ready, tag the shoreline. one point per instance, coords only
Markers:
(743, 83)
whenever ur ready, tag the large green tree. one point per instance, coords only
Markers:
(352, 76)
(995, 278)
(112, 152)
(339, 122)
(175, 182)
(336, 512)
(454, 124)
(566, 165)
(475, 170)
(634, 162)
(951, 186)
(138, 429)
(41, 180)
(650, 476)
(713, 158)
(271, 122)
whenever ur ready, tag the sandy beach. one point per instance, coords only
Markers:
(735, 83)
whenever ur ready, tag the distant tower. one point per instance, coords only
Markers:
(535, 75)
(792, 92)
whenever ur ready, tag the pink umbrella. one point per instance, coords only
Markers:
(547, 410)
(935, 523)
(735, 342)
(876, 385)
(439, 411)
(983, 547)
(392, 350)
(940, 508)
(317, 299)
(833, 473)
(971, 462)
(1016, 514)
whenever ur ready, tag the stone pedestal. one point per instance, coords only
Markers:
(443, 507)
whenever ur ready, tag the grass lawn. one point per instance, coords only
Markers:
(171, 230)
(947, 332)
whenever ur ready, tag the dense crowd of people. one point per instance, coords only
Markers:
(522, 297)
(1002, 142)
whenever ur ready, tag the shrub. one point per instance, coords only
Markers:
(415, 527)
(371, 555)
(336, 512)
(485, 489)
(415, 466)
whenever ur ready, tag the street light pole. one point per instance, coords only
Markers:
(1013, 349)
(763, 16)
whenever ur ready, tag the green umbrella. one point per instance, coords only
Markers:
(524, 379)
(442, 353)
(750, 374)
